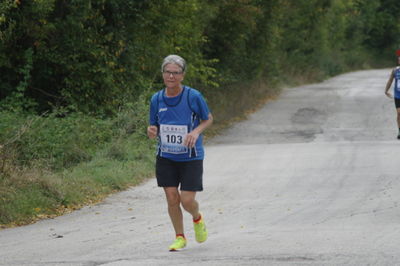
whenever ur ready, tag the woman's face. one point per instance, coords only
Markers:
(173, 76)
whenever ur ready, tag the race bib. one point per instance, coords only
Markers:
(172, 137)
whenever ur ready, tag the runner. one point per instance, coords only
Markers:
(395, 75)
(178, 116)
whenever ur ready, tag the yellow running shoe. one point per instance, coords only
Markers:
(200, 230)
(179, 243)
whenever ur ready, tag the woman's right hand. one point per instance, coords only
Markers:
(152, 132)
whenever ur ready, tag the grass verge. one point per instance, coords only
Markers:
(30, 194)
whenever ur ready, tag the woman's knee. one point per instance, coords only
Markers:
(188, 201)
(173, 198)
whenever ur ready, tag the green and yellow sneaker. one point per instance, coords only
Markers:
(200, 230)
(179, 243)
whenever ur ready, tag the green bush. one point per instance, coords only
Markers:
(56, 142)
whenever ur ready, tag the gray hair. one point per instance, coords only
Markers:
(174, 59)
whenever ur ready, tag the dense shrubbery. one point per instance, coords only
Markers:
(76, 77)
(95, 56)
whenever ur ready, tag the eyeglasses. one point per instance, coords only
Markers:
(169, 73)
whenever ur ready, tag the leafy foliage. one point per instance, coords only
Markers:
(96, 56)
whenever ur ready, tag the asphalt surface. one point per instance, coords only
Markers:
(310, 179)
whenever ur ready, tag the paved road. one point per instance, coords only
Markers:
(310, 179)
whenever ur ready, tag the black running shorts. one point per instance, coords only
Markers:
(397, 102)
(188, 174)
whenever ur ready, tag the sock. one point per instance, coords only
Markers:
(197, 220)
(182, 235)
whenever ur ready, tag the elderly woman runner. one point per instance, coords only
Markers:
(178, 116)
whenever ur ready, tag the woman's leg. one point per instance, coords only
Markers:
(190, 204)
(174, 209)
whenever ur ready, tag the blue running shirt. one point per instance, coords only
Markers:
(397, 83)
(175, 117)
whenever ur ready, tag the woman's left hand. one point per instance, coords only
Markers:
(388, 94)
(191, 139)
